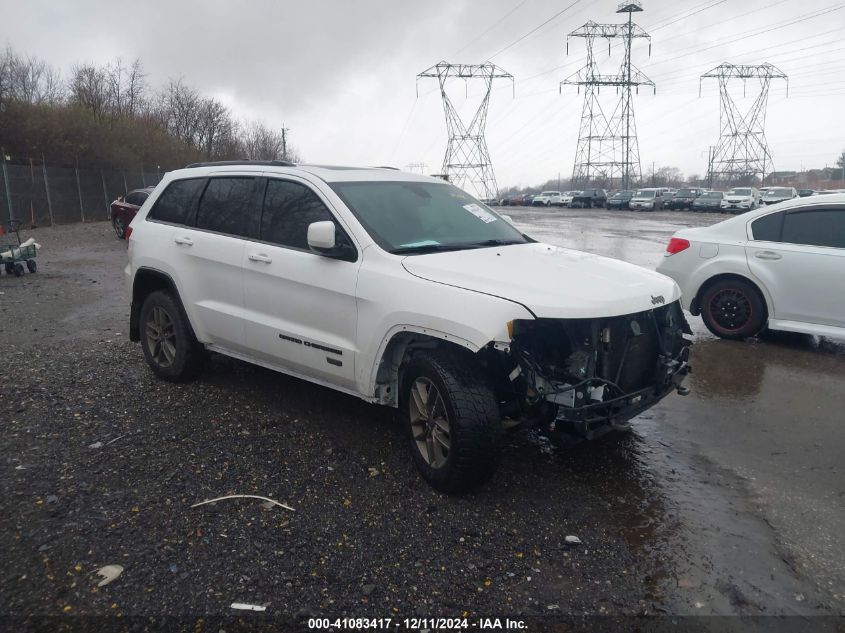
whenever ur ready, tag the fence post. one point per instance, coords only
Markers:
(125, 186)
(79, 191)
(143, 180)
(47, 189)
(8, 191)
(105, 195)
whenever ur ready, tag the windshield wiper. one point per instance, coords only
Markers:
(426, 248)
(498, 242)
(460, 246)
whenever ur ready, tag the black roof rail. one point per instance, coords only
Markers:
(387, 167)
(224, 163)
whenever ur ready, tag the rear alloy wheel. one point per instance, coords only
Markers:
(733, 309)
(452, 420)
(119, 228)
(169, 345)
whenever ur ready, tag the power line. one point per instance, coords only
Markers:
(804, 18)
(493, 26)
(535, 29)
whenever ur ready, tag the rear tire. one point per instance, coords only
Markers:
(18, 270)
(170, 347)
(452, 420)
(733, 309)
(119, 228)
(31, 265)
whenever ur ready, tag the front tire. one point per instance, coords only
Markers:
(733, 309)
(170, 347)
(452, 420)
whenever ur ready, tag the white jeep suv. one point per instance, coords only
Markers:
(405, 291)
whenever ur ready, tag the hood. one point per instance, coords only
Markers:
(550, 281)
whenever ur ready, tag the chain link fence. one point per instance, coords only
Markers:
(38, 194)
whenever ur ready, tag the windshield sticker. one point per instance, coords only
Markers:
(481, 214)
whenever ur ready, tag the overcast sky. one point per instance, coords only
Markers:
(340, 74)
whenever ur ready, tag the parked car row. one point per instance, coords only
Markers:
(735, 200)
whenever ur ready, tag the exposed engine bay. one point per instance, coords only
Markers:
(585, 377)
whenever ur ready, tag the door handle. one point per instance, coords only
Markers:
(187, 241)
(259, 257)
(767, 255)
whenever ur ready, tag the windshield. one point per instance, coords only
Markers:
(406, 217)
(779, 193)
(550, 193)
(644, 193)
(684, 192)
(711, 194)
(623, 194)
(739, 192)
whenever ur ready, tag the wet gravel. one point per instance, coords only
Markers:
(101, 463)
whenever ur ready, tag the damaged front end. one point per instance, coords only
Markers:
(585, 377)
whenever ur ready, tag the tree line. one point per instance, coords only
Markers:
(109, 116)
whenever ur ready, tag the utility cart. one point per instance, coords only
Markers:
(14, 253)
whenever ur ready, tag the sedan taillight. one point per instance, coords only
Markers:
(127, 232)
(676, 245)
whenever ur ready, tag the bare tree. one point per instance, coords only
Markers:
(258, 142)
(89, 88)
(214, 127)
(179, 109)
(28, 79)
(126, 87)
(668, 176)
(136, 88)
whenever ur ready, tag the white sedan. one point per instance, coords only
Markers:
(781, 267)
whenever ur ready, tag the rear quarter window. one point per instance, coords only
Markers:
(175, 202)
(767, 228)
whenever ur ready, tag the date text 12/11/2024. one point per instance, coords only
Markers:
(416, 624)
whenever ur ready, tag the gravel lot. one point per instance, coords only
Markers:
(101, 463)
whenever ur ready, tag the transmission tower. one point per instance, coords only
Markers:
(417, 168)
(467, 157)
(607, 145)
(742, 152)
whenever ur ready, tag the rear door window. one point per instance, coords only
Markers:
(819, 227)
(225, 204)
(173, 205)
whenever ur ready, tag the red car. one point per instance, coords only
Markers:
(125, 207)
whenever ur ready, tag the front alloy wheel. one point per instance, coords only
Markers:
(453, 420)
(429, 422)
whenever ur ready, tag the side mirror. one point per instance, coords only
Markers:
(321, 236)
